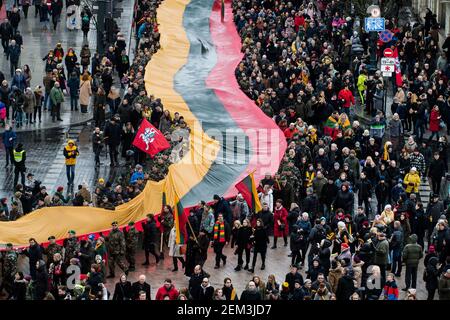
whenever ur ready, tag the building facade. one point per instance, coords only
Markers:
(440, 7)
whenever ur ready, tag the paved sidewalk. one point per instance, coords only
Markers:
(37, 44)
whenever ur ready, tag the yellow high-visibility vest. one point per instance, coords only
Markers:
(18, 155)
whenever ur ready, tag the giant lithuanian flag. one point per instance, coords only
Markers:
(247, 188)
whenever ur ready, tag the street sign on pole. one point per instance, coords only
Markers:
(388, 53)
(387, 74)
(389, 61)
(374, 24)
(386, 36)
(387, 68)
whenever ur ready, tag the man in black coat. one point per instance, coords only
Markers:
(150, 239)
(251, 293)
(364, 188)
(6, 33)
(34, 254)
(436, 172)
(196, 280)
(206, 291)
(346, 286)
(139, 286)
(222, 206)
(112, 135)
(293, 276)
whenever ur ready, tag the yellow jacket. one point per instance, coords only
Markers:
(362, 82)
(387, 216)
(412, 182)
(71, 153)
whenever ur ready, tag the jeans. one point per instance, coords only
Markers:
(434, 134)
(70, 171)
(419, 129)
(56, 111)
(9, 155)
(73, 103)
(38, 113)
(19, 118)
(396, 261)
(12, 67)
(47, 101)
(411, 277)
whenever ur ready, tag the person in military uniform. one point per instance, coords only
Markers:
(9, 263)
(166, 220)
(116, 249)
(71, 246)
(51, 249)
(131, 240)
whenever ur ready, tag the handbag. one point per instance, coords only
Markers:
(281, 227)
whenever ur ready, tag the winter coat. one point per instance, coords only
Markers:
(123, 291)
(85, 92)
(29, 102)
(281, 216)
(434, 121)
(260, 239)
(444, 288)
(243, 237)
(412, 252)
(174, 248)
(344, 200)
(162, 292)
(381, 253)
(345, 288)
(431, 274)
(71, 153)
(412, 182)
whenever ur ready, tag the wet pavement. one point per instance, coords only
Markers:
(38, 42)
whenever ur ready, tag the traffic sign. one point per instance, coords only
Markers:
(374, 24)
(387, 61)
(387, 68)
(388, 53)
(387, 74)
(386, 36)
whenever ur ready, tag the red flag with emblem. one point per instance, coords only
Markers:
(149, 139)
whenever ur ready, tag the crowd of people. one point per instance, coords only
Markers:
(301, 66)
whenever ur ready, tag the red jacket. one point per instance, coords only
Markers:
(346, 95)
(288, 133)
(280, 214)
(172, 293)
(434, 121)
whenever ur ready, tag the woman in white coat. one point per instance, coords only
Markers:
(175, 251)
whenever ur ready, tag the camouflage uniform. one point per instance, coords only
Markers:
(51, 250)
(72, 247)
(9, 260)
(116, 251)
(131, 239)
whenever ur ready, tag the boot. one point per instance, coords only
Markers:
(263, 266)
(238, 268)
(252, 270)
(146, 263)
(216, 267)
(246, 267)
(174, 269)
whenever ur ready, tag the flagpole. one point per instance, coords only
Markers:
(190, 227)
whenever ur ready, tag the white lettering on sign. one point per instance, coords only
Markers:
(387, 61)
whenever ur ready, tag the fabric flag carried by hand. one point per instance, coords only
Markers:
(179, 219)
(149, 139)
(247, 188)
(398, 71)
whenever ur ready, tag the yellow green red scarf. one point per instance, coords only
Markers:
(219, 235)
